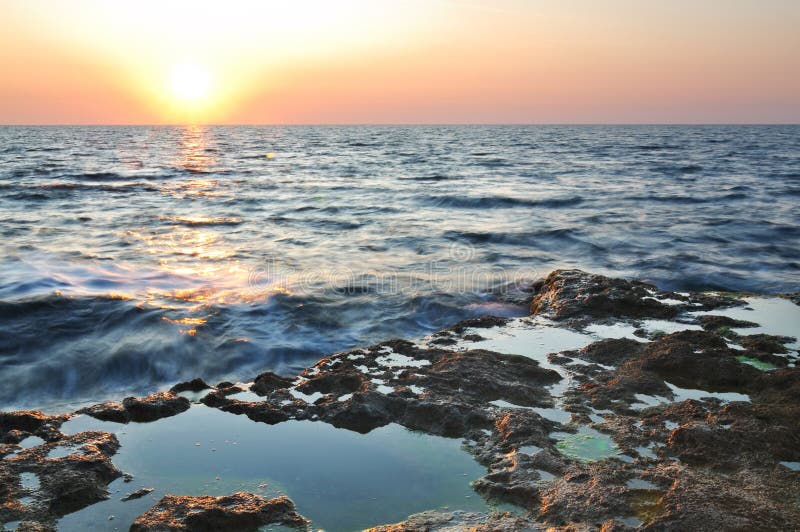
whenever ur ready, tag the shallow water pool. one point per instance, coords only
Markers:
(587, 445)
(339, 479)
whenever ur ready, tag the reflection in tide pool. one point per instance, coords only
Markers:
(773, 315)
(339, 479)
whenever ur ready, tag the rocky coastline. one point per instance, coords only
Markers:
(661, 412)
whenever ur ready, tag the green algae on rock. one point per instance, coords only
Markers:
(587, 445)
(756, 363)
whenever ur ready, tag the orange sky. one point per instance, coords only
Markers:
(411, 61)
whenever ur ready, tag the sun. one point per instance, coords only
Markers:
(190, 83)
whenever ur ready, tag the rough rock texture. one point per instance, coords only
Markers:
(56, 486)
(267, 382)
(140, 409)
(444, 406)
(194, 385)
(138, 494)
(238, 512)
(719, 323)
(709, 462)
(611, 351)
(574, 293)
(458, 522)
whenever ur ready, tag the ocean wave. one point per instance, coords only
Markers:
(684, 199)
(655, 147)
(523, 238)
(202, 221)
(500, 202)
(97, 346)
(434, 177)
(691, 169)
(98, 176)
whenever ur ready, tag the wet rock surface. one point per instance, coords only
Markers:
(670, 429)
(239, 512)
(140, 409)
(138, 494)
(194, 385)
(38, 488)
(458, 521)
(574, 293)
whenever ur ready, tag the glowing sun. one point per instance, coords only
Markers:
(190, 83)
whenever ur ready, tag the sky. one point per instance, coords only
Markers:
(402, 61)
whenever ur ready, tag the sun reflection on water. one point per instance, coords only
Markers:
(200, 268)
(195, 154)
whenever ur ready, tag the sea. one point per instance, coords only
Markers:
(132, 258)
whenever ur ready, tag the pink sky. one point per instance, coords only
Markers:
(432, 61)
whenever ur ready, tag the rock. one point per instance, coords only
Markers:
(442, 418)
(107, 411)
(268, 382)
(780, 387)
(711, 322)
(611, 351)
(483, 322)
(765, 343)
(793, 297)
(744, 500)
(436, 521)
(698, 360)
(573, 498)
(364, 412)
(194, 385)
(574, 293)
(140, 409)
(696, 464)
(517, 379)
(62, 485)
(155, 406)
(237, 512)
(34, 526)
(138, 494)
(24, 420)
(339, 383)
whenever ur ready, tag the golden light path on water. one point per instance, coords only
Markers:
(194, 254)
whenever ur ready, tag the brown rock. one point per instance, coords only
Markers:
(268, 382)
(155, 406)
(575, 293)
(194, 385)
(238, 512)
(141, 409)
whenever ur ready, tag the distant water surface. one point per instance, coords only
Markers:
(133, 257)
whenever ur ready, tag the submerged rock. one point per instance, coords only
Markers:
(239, 512)
(138, 494)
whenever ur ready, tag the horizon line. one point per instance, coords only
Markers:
(398, 124)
